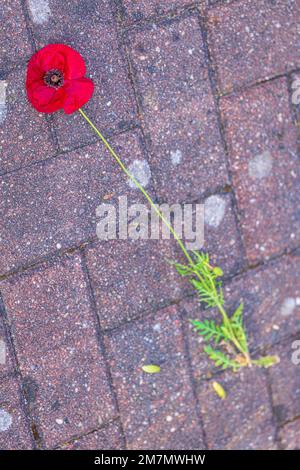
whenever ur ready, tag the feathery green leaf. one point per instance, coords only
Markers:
(209, 330)
(220, 359)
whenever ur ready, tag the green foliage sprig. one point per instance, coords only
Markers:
(227, 340)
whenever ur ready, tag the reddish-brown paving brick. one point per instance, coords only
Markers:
(157, 410)
(137, 10)
(132, 277)
(285, 381)
(244, 420)
(14, 426)
(186, 153)
(290, 435)
(6, 360)
(14, 41)
(24, 134)
(266, 172)
(107, 438)
(90, 28)
(52, 205)
(54, 331)
(252, 40)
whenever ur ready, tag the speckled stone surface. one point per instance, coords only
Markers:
(186, 154)
(24, 133)
(52, 205)
(14, 427)
(166, 416)
(249, 38)
(290, 435)
(108, 438)
(89, 27)
(285, 381)
(266, 174)
(14, 37)
(55, 333)
(229, 425)
(136, 10)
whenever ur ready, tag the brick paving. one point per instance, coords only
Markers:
(263, 156)
(178, 109)
(202, 97)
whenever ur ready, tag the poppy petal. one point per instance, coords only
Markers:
(46, 99)
(34, 72)
(75, 65)
(78, 92)
(51, 57)
(63, 58)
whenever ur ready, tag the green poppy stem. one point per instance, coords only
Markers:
(140, 187)
(162, 217)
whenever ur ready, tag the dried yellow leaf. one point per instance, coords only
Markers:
(219, 390)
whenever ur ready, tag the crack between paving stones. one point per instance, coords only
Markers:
(101, 342)
(184, 332)
(32, 424)
(148, 21)
(55, 255)
(110, 133)
(88, 433)
(214, 90)
(275, 421)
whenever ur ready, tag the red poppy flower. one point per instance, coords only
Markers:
(55, 80)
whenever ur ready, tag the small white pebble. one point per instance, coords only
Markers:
(3, 108)
(40, 11)
(288, 306)
(214, 210)
(141, 171)
(5, 420)
(260, 166)
(176, 156)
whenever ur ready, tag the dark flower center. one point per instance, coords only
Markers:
(54, 78)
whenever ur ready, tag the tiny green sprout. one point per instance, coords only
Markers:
(151, 369)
